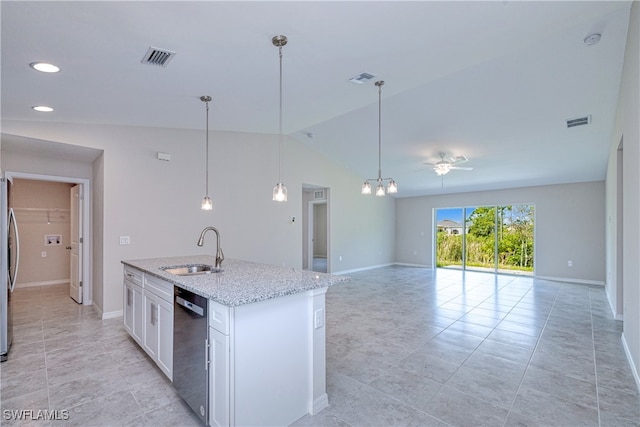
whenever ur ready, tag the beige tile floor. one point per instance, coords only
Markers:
(405, 347)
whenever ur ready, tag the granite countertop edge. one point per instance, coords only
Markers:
(240, 282)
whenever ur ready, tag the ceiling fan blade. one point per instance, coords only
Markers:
(458, 159)
(459, 168)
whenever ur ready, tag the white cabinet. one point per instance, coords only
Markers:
(133, 303)
(267, 360)
(148, 316)
(165, 337)
(150, 342)
(219, 365)
(218, 378)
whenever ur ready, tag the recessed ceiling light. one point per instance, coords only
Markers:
(43, 108)
(44, 67)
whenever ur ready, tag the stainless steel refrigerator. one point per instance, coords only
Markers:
(9, 261)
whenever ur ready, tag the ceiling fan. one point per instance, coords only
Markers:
(444, 166)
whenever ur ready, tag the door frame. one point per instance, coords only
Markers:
(86, 223)
(310, 229)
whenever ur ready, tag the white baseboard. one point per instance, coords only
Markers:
(112, 314)
(45, 283)
(634, 369)
(319, 404)
(355, 270)
(571, 280)
(612, 306)
(408, 264)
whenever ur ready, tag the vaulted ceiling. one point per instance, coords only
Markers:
(493, 81)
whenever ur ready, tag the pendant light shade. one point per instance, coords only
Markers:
(392, 187)
(366, 188)
(207, 203)
(280, 191)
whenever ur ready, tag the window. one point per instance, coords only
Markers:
(486, 238)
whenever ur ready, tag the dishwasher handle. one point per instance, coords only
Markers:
(190, 306)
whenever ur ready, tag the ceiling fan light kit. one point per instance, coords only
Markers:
(443, 167)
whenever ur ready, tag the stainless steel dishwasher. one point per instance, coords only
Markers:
(190, 351)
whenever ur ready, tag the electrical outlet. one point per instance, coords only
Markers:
(569, 263)
(319, 318)
(43, 254)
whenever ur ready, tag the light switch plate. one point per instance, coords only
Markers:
(125, 240)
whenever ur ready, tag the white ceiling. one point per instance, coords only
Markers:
(493, 81)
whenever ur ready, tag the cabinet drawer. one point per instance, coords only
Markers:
(133, 275)
(219, 317)
(159, 287)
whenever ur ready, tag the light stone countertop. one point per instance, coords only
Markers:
(239, 282)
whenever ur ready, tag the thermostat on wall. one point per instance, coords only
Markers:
(53, 239)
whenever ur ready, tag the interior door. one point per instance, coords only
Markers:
(75, 287)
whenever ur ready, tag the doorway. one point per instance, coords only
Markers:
(315, 242)
(619, 233)
(58, 240)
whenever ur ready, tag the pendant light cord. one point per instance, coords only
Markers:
(280, 121)
(379, 84)
(207, 153)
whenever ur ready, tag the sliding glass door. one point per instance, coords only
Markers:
(486, 238)
(480, 245)
(449, 235)
(515, 239)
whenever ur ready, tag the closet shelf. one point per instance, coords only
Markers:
(42, 215)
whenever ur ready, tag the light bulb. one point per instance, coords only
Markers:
(366, 188)
(392, 187)
(380, 190)
(207, 203)
(280, 193)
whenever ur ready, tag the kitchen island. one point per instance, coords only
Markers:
(266, 336)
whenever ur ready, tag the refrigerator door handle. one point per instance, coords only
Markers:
(12, 220)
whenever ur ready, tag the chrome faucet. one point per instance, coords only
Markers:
(219, 254)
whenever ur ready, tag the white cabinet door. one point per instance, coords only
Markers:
(128, 307)
(137, 313)
(219, 377)
(165, 337)
(150, 342)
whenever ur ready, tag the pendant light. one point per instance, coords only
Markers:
(280, 191)
(207, 203)
(392, 187)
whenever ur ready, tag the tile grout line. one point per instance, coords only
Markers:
(595, 365)
(535, 348)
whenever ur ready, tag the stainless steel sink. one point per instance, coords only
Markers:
(191, 269)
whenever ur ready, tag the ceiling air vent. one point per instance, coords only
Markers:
(156, 56)
(578, 121)
(361, 78)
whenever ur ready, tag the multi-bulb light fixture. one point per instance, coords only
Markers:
(392, 187)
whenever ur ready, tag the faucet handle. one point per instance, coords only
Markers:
(219, 257)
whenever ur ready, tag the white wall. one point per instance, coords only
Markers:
(626, 129)
(157, 203)
(568, 226)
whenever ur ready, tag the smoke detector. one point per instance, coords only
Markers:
(592, 39)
